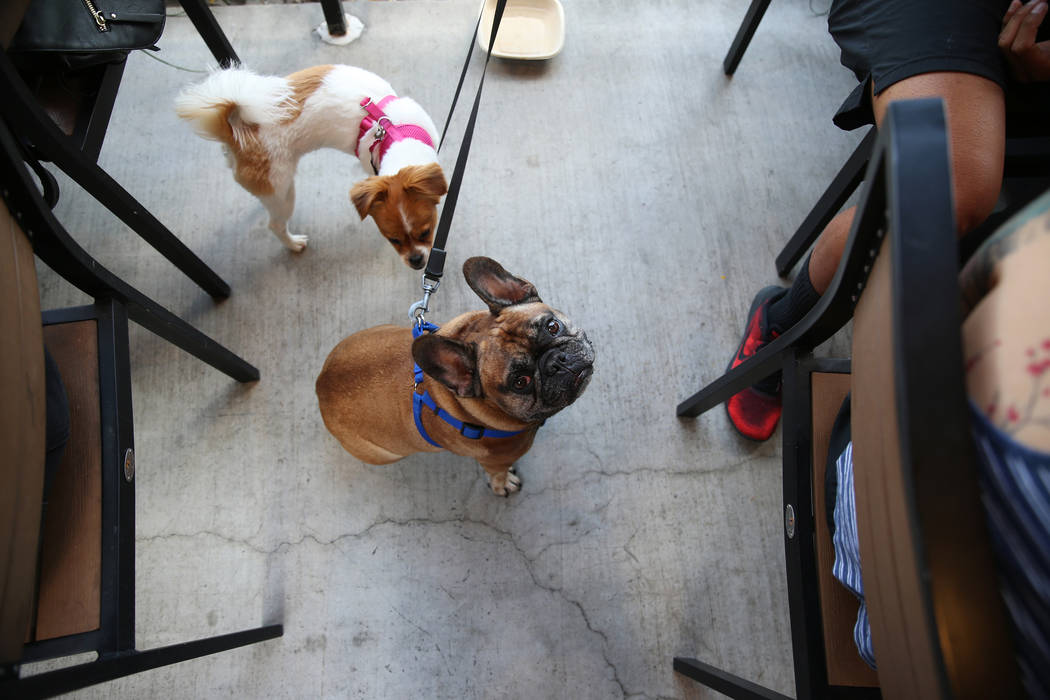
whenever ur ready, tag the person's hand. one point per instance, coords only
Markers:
(1029, 60)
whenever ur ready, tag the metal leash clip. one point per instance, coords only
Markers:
(377, 138)
(417, 310)
(380, 129)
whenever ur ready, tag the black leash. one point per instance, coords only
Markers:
(436, 260)
(462, 76)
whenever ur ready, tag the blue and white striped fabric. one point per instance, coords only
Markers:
(1015, 487)
(847, 551)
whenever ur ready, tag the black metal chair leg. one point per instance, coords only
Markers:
(333, 15)
(110, 668)
(53, 244)
(90, 129)
(48, 183)
(118, 484)
(844, 184)
(111, 195)
(800, 554)
(153, 317)
(744, 34)
(725, 683)
(211, 32)
(31, 123)
(764, 363)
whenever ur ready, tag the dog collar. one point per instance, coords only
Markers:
(388, 133)
(468, 430)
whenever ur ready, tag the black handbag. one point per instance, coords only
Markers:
(84, 32)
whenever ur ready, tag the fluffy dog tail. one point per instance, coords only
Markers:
(231, 103)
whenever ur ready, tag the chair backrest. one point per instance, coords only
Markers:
(22, 433)
(938, 622)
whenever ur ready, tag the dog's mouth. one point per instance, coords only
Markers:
(582, 377)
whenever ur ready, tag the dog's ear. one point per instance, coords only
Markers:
(497, 287)
(425, 179)
(451, 362)
(367, 193)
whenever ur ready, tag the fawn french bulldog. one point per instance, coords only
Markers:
(484, 382)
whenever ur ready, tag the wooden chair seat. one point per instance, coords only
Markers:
(70, 582)
(838, 607)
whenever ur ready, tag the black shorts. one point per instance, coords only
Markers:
(886, 41)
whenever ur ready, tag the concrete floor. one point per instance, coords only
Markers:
(645, 195)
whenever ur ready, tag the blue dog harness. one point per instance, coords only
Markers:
(467, 430)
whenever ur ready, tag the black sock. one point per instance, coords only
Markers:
(786, 312)
(790, 308)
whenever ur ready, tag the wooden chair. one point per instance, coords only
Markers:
(951, 646)
(83, 598)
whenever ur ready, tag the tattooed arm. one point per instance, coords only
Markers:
(1006, 334)
(981, 272)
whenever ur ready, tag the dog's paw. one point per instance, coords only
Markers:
(297, 244)
(505, 484)
(513, 481)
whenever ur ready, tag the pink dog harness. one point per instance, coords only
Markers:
(388, 132)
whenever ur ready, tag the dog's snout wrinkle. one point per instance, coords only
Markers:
(560, 361)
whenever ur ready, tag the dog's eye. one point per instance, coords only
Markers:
(395, 241)
(553, 327)
(425, 236)
(522, 382)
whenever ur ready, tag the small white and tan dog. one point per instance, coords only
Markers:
(267, 123)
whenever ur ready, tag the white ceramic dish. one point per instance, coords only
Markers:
(530, 29)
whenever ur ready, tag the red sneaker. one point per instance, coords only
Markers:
(755, 411)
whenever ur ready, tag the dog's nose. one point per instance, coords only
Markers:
(416, 260)
(557, 362)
